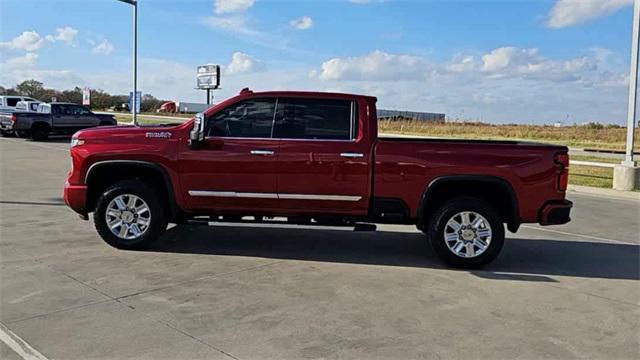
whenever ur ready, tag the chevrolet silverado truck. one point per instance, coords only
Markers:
(315, 159)
(57, 118)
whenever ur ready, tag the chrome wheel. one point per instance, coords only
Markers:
(467, 234)
(128, 216)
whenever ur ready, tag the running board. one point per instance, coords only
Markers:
(205, 221)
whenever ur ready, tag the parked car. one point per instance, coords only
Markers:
(21, 106)
(56, 118)
(9, 102)
(316, 159)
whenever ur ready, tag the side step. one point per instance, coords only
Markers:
(205, 221)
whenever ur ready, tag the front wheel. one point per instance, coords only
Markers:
(467, 233)
(129, 215)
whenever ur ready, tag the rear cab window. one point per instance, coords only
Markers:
(315, 119)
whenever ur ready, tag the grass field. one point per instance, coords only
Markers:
(597, 137)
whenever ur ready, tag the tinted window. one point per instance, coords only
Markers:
(251, 119)
(79, 110)
(12, 101)
(314, 119)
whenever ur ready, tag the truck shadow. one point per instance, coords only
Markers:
(521, 259)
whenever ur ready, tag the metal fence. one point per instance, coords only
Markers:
(412, 115)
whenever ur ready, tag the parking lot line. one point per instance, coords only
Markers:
(21, 347)
(580, 235)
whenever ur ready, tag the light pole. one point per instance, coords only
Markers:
(134, 99)
(626, 176)
(633, 85)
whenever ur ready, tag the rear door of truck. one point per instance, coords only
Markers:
(324, 164)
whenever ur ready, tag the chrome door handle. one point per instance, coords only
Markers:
(351, 155)
(261, 152)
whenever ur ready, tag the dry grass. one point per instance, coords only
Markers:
(591, 176)
(594, 136)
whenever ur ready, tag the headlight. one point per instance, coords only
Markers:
(75, 142)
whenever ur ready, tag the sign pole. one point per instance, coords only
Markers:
(633, 86)
(135, 62)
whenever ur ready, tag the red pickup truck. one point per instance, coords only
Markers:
(315, 159)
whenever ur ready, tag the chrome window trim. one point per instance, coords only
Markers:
(233, 194)
(353, 136)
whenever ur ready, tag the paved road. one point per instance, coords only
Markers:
(255, 293)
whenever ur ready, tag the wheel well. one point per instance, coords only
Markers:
(101, 176)
(495, 191)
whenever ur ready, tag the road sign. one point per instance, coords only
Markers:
(208, 77)
(138, 100)
(86, 96)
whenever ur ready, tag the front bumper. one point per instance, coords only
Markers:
(75, 196)
(555, 213)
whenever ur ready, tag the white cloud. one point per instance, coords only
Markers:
(28, 60)
(242, 63)
(231, 6)
(28, 41)
(571, 12)
(377, 65)
(529, 64)
(302, 23)
(103, 48)
(65, 34)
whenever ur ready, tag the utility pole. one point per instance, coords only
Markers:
(134, 100)
(626, 176)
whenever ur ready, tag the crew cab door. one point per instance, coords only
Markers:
(234, 170)
(323, 164)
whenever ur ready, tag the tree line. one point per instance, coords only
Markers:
(100, 99)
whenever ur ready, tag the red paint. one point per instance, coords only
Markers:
(399, 169)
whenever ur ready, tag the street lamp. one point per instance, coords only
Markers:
(626, 176)
(134, 99)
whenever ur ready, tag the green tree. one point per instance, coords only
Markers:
(32, 88)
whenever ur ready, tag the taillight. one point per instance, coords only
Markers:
(562, 163)
(13, 118)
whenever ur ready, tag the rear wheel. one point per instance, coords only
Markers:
(129, 215)
(5, 133)
(39, 132)
(467, 232)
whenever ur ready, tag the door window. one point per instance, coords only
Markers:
(247, 119)
(315, 119)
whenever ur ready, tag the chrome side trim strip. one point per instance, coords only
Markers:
(232, 194)
(319, 197)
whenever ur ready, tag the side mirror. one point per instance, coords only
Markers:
(196, 137)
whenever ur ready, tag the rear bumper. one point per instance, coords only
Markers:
(75, 196)
(555, 213)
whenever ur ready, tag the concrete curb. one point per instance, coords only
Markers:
(608, 193)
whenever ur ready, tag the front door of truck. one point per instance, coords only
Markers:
(235, 168)
(323, 162)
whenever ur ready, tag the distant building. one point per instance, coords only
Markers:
(411, 115)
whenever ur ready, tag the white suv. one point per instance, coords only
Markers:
(9, 102)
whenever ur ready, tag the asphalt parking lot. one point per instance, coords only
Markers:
(244, 292)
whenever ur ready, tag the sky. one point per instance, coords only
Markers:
(509, 61)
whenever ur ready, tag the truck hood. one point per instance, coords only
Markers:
(130, 133)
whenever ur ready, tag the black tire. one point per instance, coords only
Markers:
(39, 132)
(438, 226)
(6, 133)
(158, 217)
